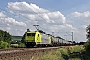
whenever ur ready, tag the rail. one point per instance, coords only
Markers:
(24, 53)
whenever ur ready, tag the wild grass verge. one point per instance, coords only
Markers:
(68, 52)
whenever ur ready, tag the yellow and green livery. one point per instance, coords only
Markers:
(36, 38)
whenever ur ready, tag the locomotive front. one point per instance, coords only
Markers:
(30, 39)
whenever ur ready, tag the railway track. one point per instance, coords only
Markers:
(24, 53)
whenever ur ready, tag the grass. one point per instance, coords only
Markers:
(53, 55)
(76, 48)
(68, 52)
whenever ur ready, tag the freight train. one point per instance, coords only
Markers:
(38, 39)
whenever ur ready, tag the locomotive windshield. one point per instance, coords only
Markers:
(30, 34)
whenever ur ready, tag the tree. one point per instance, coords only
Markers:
(23, 38)
(87, 47)
(87, 44)
(5, 39)
(88, 32)
(5, 36)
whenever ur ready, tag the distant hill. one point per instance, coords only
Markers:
(16, 37)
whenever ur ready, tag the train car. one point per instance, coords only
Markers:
(55, 41)
(36, 39)
(60, 42)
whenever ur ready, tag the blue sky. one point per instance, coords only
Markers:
(61, 5)
(53, 16)
(64, 6)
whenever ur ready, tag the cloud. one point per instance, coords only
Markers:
(8, 21)
(85, 16)
(25, 8)
(48, 21)
(35, 13)
(80, 22)
(2, 15)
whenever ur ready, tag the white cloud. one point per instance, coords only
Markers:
(2, 15)
(8, 20)
(76, 14)
(48, 21)
(84, 26)
(81, 16)
(57, 17)
(25, 8)
(80, 21)
(35, 13)
(8, 28)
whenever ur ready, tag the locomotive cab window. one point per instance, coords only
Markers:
(38, 35)
(30, 34)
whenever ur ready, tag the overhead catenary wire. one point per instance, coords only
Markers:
(13, 16)
(28, 18)
(37, 14)
(17, 15)
(48, 23)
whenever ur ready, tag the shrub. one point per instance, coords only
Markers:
(87, 47)
(4, 44)
(53, 55)
(64, 51)
(21, 45)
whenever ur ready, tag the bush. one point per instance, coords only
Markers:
(53, 55)
(5, 36)
(4, 44)
(21, 45)
(64, 51)
(87, 47)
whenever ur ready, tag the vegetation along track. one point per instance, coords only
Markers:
(65, 53)
(74, 53)
(24, 53)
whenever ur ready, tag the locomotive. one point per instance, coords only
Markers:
(35, 38)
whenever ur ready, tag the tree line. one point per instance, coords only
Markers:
(87, 44)
(5, 39)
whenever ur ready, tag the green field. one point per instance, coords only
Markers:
(16, 38)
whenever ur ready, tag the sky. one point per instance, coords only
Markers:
(59, 16)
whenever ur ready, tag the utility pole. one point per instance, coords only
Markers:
(52, 33)
(37, 27)
(72, 37)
